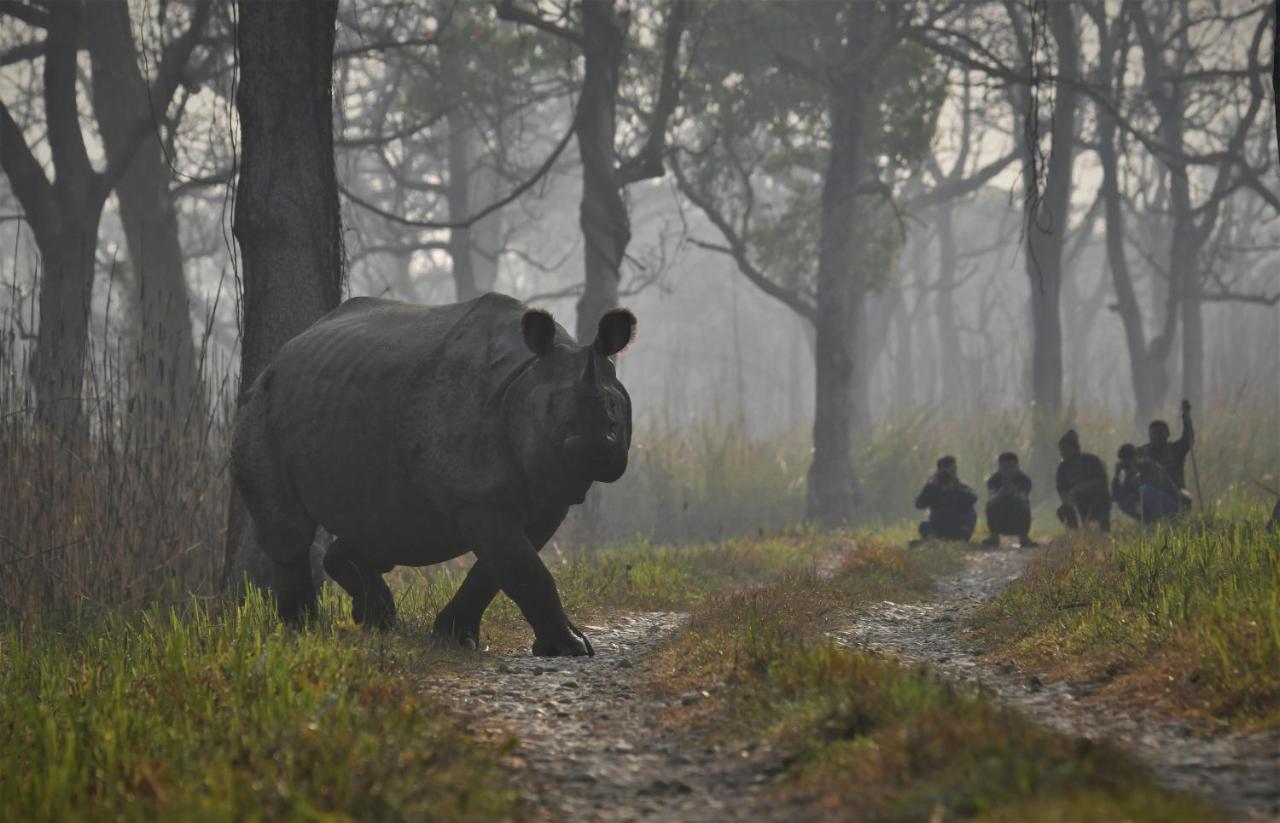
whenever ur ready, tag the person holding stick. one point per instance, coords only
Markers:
(1171, 456)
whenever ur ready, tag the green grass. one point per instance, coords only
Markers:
(186, 714)
(867, 738)
(183, 716)
(182, 713)
(1189, 615)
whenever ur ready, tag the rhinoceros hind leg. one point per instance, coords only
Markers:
(458, 623)
(294, 591)
(371, 602)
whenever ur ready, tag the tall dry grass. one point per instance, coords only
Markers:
(126, 510)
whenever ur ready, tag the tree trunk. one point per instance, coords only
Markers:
(1184, 256)
(458, 192)
(485, 235)
(167, 346)
(945, 304)
(1141, 365)
(797, 355)
(832, 489)
(870, 322)
(459, 197)
(1047, 219)
(606, 227)
(1192, 337)
(286, 216)
(904, 369)
(62, 340)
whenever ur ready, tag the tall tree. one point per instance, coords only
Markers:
(787, 159)
(286, 214)
(1047, 183)
(600, 33)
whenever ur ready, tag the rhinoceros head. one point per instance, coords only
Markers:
(577, 410)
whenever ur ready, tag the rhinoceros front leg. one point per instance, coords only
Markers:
(371, 602)
(459, 622)
(506, 554)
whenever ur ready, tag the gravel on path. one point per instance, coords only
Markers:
(589, 737)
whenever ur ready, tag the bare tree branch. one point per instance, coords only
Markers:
(26, 12)
(26, 177)
(647, 163)
(509, 11)
(467, 222)
(172, 69)
(737, 247)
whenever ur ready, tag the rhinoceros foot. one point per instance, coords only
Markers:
(570, 643)
(466, 639)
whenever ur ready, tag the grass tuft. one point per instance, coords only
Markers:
(1189, 614)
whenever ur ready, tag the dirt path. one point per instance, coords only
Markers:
(1239, 772)
(589, 737)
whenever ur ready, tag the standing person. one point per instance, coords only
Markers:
(952, 515)
(1172, 456)
(1082, 486)
(1009, 503)
(1142, 488)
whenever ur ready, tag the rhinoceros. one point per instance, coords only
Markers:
(415, 434)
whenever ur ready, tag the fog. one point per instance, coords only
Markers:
(444, 112)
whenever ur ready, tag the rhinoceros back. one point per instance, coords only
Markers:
(385, 416)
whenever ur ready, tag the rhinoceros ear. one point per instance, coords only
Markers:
(616, 331)
(539, 331)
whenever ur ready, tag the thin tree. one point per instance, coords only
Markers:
(601, 35)
(149, 217)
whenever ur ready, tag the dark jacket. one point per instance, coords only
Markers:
(947, 505)
(1082, 477)
(1020, 482)
(1172, 456)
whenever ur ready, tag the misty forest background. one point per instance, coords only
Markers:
(856, 236)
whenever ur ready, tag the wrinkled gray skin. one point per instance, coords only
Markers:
(418, 433)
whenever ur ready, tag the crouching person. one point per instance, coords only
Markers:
(1142, 488)
(1009, 503)
(1082, 486)
(952, 515)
